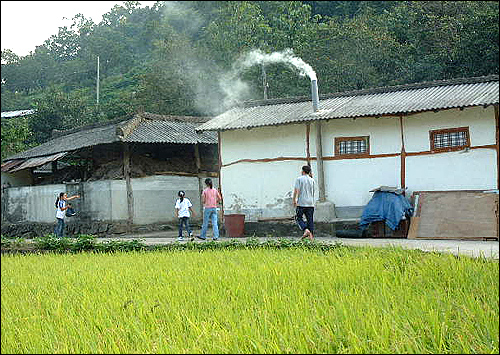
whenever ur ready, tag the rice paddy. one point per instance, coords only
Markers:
(345, 300)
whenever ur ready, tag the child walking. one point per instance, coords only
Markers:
(182, 211)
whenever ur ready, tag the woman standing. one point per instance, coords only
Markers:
(210, 197)
(62, 206)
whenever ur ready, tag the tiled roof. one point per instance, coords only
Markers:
(176, 129)
(142, 128)
(401, 99)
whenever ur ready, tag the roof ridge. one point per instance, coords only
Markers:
(375, 90)
(182, 118)
(56, 133)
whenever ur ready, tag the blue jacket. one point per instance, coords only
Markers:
(385, 206)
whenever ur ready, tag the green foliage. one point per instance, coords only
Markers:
(16, 135)
(84, 242)
(56, 109)
(168, 59)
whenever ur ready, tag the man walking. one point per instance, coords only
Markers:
(303, 201)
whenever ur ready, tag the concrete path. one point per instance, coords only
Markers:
(488, 249)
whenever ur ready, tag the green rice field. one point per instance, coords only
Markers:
(344, 300)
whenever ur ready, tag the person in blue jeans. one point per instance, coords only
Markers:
(303, 200)
(183, 210)
(62, 205)
(210, 198)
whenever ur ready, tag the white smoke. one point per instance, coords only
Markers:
(286, 56)
(236, 90)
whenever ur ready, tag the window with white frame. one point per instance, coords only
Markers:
(352, 146)
(449, 139)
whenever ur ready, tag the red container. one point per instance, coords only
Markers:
(235, 225)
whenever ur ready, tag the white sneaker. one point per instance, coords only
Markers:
(180, 239)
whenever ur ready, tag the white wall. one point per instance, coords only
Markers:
(263, 142)
(481, 123)
(348, 181)
(263, 189)
(106, 200)
(475, 169)
(33, 203)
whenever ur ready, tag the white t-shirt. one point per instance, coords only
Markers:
(306, 186)
(183, 207)
(60, 213)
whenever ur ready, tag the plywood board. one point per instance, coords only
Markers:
(466, 215)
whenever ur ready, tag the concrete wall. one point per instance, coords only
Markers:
(475, 169)
(261, 189)
(263, 186)
(154, 200)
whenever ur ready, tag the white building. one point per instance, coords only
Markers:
(431, 136)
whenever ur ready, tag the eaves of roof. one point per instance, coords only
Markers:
(397, 100)
(142, 128)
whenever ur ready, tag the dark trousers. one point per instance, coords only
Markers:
(59, 230)
(185, 221)
(299, 217)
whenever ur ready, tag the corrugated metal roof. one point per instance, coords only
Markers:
(10, 114)
(375, 102)
(32, 162)
(11, 164)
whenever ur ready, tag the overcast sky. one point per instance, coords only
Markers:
(27, 24)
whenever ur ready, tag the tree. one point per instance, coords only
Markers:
(16, 135)
(59, 110)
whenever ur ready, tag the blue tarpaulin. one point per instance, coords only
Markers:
(386, 206)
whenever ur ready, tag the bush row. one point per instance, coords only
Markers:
(87, 242)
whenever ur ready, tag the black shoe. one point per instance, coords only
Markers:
(199, 237)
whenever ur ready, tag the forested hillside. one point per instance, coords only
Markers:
(178, 57)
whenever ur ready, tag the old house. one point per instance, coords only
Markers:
(431, 136)
(127, 172)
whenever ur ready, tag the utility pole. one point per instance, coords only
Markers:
(264, 81)
(97, 80)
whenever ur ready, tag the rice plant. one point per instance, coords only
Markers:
(297, 300)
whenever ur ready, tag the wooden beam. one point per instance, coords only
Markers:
(308, 148)
(128, 183)
(197, 159)
(220, 172)
(403, 156)
(497, 145)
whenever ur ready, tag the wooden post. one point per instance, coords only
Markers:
(498, 145)
(198, 169)
(219, 171)
(128, 183)
(498, 161)
(308, 149)
(403, 156)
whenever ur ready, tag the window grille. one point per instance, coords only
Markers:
(351, 146)
(450, 139)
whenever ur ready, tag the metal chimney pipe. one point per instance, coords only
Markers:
(314, 94)
(319, 144)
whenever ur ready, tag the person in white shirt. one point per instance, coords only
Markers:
(62, 206)
(182, 211)
(303, 200)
